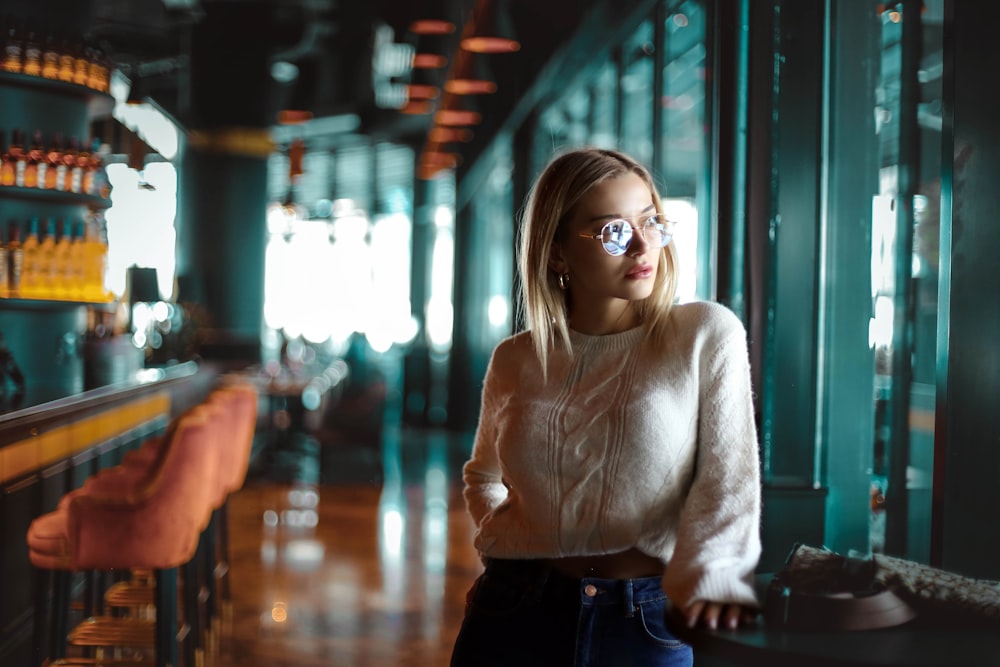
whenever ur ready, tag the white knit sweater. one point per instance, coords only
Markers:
(626, 445)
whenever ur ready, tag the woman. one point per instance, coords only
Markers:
(615, 463)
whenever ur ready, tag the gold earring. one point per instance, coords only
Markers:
(564, 281)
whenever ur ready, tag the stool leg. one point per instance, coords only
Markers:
(41, 648)
(194, 637)
(166, 617)
(60, 612)
(223, 530)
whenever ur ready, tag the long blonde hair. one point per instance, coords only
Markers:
(558, 189)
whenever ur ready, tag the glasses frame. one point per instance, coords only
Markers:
(666, 232)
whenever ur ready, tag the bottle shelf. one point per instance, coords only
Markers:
(99, 104)
(54, 196)
(18, 303)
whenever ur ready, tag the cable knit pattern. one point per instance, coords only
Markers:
(627, 445)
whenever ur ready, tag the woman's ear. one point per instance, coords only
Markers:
(556, 261)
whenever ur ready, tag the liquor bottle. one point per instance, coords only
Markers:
(35, 157)
(4, 268)
(97, 75)
(101, 186)
(75, 267)
(62, 278)
(93, 260)
(68, 162)
(13, 48)
(50, 58)
(89, 183)
(46, 264)
(80, 168)
(55, 170)
(18, 155)
(67, 61)
(30, 279)
(32, 55)
(15, 257)
(7, 173)
(81, 65)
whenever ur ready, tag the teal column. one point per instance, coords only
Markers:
(222, 229)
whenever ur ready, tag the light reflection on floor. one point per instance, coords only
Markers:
(340, 570)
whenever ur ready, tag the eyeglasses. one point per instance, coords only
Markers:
(616, 235)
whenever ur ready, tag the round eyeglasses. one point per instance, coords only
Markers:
(616, 235)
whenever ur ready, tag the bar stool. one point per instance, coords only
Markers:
(155, 525)
(234, 408)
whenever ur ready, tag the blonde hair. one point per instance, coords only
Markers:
(558, 189)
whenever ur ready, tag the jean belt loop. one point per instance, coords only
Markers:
(627, 599)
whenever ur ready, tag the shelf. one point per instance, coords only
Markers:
(13, 303)
(99, 104)
(54, 196)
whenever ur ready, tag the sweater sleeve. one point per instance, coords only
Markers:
(718, 540)
(484, 489)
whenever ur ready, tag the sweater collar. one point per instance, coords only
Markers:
(585, 343)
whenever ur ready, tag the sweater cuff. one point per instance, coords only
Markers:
(723, 586)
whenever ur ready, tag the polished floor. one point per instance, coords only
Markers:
(350, 555)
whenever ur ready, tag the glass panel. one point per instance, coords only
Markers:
(603, 104)
(637, 94)
(905, 233)
(682, 142)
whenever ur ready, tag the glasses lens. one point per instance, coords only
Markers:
(616, 236)
(658, 230)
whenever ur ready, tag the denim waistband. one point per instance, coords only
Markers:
(540, 576)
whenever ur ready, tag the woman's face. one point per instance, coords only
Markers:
(602, 286)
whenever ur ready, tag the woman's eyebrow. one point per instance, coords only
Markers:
(615, 216)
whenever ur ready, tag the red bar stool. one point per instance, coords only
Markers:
(151, 522)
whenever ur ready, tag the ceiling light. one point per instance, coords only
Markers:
(417, 107)
(417, 91)
(472, 76)
(429, 61)
(452, 117)
(492, 29)
(446, 135)
(432, 27)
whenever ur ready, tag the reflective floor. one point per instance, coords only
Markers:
(347, 554)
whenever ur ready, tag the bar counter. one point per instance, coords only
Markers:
(49, 446)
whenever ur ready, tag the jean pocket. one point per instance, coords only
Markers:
(652, 614)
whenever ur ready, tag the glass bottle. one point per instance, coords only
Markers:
(18, 155)
(46, 261)
(55, 170)
(4, 267)
(67, 62)
(50, 58)
(81, 65)
(80, 168)
(32, 55)
(15, 257)
(68, 162)
(98, 72)
(75, 265)
(7, 172)
(13, 48)
(62, 278)
(30, 279)
(35, 158)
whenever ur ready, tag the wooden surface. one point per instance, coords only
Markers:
(353, 572)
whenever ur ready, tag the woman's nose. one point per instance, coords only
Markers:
(638, 244)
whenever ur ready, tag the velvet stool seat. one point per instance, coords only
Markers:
(150, 519)
(234, 406)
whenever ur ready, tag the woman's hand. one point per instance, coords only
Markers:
(714, 615)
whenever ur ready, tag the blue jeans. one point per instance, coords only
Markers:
(521, 613)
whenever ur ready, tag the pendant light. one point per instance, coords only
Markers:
(492, 29)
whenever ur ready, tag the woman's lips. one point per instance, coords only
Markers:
(640, 272)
